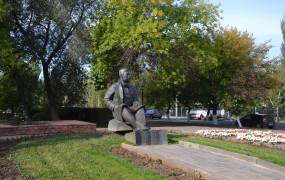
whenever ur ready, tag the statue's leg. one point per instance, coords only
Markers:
(140, 119)
(129, 117)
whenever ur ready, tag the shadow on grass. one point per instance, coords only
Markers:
(174, 138)
(56, 139)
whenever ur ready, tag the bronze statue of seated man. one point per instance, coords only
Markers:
(122, 99)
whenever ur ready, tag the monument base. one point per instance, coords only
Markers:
(118, 126)
(147, 137)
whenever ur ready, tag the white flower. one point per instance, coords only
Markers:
(244, 134)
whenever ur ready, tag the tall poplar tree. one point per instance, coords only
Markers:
(42, 32)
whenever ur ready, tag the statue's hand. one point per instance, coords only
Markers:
(116, 107)
(136, 104)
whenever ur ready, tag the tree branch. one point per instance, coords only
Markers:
(60, 43)
(46, 39)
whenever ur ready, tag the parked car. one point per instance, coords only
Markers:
(198, 114)
(257, 120)
(153, 114)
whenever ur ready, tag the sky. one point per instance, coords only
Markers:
(261, 18)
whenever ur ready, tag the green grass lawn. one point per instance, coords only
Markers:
(276, 156)
(76, 157)
(90, 156)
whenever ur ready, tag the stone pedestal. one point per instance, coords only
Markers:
(118, 126)
(147, 137)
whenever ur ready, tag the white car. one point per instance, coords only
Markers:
(198, 114)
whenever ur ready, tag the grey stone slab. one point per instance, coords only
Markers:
(147, 137)
(118, 126)
(212, 165)
(142, 137)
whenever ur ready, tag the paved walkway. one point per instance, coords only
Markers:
(212, 165)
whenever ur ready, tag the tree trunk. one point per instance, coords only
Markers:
(215, 107)
(277, 114)
(188, 110)
(208, 111)
(167, 111)
(50, 93)
(21, 91)
(238, 118)
(188, 114)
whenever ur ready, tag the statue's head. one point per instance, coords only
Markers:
(124, 75)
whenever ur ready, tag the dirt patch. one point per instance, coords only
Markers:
(156, 165)
(8, 170)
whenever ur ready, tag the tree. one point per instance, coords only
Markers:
(283, 34)
(231, 67)
(70, 82)
(231, 51)
(281, 93)
(162, 86)
(42, 31)
(19, 79)
(8, 94)
(279, 100)
(254, 80)
(154, 39)
(127, 30)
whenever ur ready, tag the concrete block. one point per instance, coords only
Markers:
(147, 137)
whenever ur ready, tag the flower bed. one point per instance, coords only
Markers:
(245, 134)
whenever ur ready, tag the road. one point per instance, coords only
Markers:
(279, 127)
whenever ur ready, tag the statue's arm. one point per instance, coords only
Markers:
(109, 96)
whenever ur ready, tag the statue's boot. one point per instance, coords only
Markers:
(135, 119)
(129, 117)
(140, 120)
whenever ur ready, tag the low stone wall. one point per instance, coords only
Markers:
(49, 128)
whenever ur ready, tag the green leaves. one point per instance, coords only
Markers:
(151, 28)
(171, 74)
(128, 24)
(245, 75)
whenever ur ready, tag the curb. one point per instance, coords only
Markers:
(19, 137)
(251, 159)
(167, 161)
